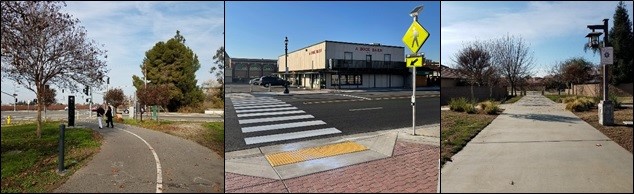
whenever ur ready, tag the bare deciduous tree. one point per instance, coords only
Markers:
(474, 62)
(220, 59)
(41, 45)
(115, 97)
(555, 78)
(513, 59)
(156, 94)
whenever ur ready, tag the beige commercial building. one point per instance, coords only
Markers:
(332, 64)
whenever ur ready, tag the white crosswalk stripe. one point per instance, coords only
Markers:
(271, 113)
(257, 104)
(263, 106)
(265, 109)
(293, 135)
(271, 119)
(282, 126)
(266, 119)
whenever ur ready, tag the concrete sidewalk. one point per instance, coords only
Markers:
(537, 146)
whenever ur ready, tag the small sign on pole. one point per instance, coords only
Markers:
(607, 55)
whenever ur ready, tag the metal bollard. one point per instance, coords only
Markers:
(60, 160)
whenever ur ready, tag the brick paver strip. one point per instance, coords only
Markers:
(237, 181)
(412, 168)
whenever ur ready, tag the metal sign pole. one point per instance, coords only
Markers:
(411, 39)
(414, 100)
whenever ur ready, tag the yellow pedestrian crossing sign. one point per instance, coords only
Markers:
(415, 37)
(414, 61)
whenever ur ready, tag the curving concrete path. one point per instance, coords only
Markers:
(537, 146)
(128, 159)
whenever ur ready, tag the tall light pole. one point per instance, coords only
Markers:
(606, 109)
(285, 64)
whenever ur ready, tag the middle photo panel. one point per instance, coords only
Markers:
(332, 96)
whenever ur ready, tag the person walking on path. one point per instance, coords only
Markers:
(100, 112)
(109, 118)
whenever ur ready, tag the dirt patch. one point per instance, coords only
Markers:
(619, 133)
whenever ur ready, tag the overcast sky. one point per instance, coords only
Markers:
(129, 29)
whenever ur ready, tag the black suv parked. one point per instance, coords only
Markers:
(273, 81)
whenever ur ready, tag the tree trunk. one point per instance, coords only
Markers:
(38, 131)
(472, 97)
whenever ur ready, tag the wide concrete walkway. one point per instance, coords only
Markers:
(537, 146)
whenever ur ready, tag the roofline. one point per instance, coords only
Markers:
(341, 42)
(252, 59)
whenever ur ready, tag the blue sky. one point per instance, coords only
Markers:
(257, 29)
(555, 30)
(129, 29)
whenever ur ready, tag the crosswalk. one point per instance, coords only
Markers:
(266, 119)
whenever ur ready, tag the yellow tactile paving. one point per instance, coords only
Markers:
(291, 157)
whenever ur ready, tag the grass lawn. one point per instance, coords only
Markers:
(513, 99)
(29, 164)
(457, 129)
(208, 134)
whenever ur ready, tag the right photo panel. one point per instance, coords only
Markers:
(536, 97)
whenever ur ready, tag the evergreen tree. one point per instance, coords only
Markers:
(172, 63)
(622, 40)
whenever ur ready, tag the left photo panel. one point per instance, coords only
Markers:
(122, 97)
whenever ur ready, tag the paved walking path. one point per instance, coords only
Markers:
(537, 146)
(126, 163)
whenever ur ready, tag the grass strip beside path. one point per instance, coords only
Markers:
(513, 99)
(30, 164)
(457, 129)
(208, 134)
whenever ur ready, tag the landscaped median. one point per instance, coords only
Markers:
(208, 134)
(29, 164)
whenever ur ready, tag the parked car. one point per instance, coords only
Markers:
(273, 81)
(254, 81)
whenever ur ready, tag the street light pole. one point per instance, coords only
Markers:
(285, 64)
(605, 66)
(606, 109)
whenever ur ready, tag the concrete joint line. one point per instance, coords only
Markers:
(546, 141)
(159, 178)
(278, 175)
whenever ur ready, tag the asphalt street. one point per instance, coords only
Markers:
(270, 120)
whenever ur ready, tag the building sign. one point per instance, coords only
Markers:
(368, 49)
(314, 52)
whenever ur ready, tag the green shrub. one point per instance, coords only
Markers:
(587, 102)
(469, 108)
(580, 104)
(569, 99)
(489, 107)
(615, 100)
(458, 104)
